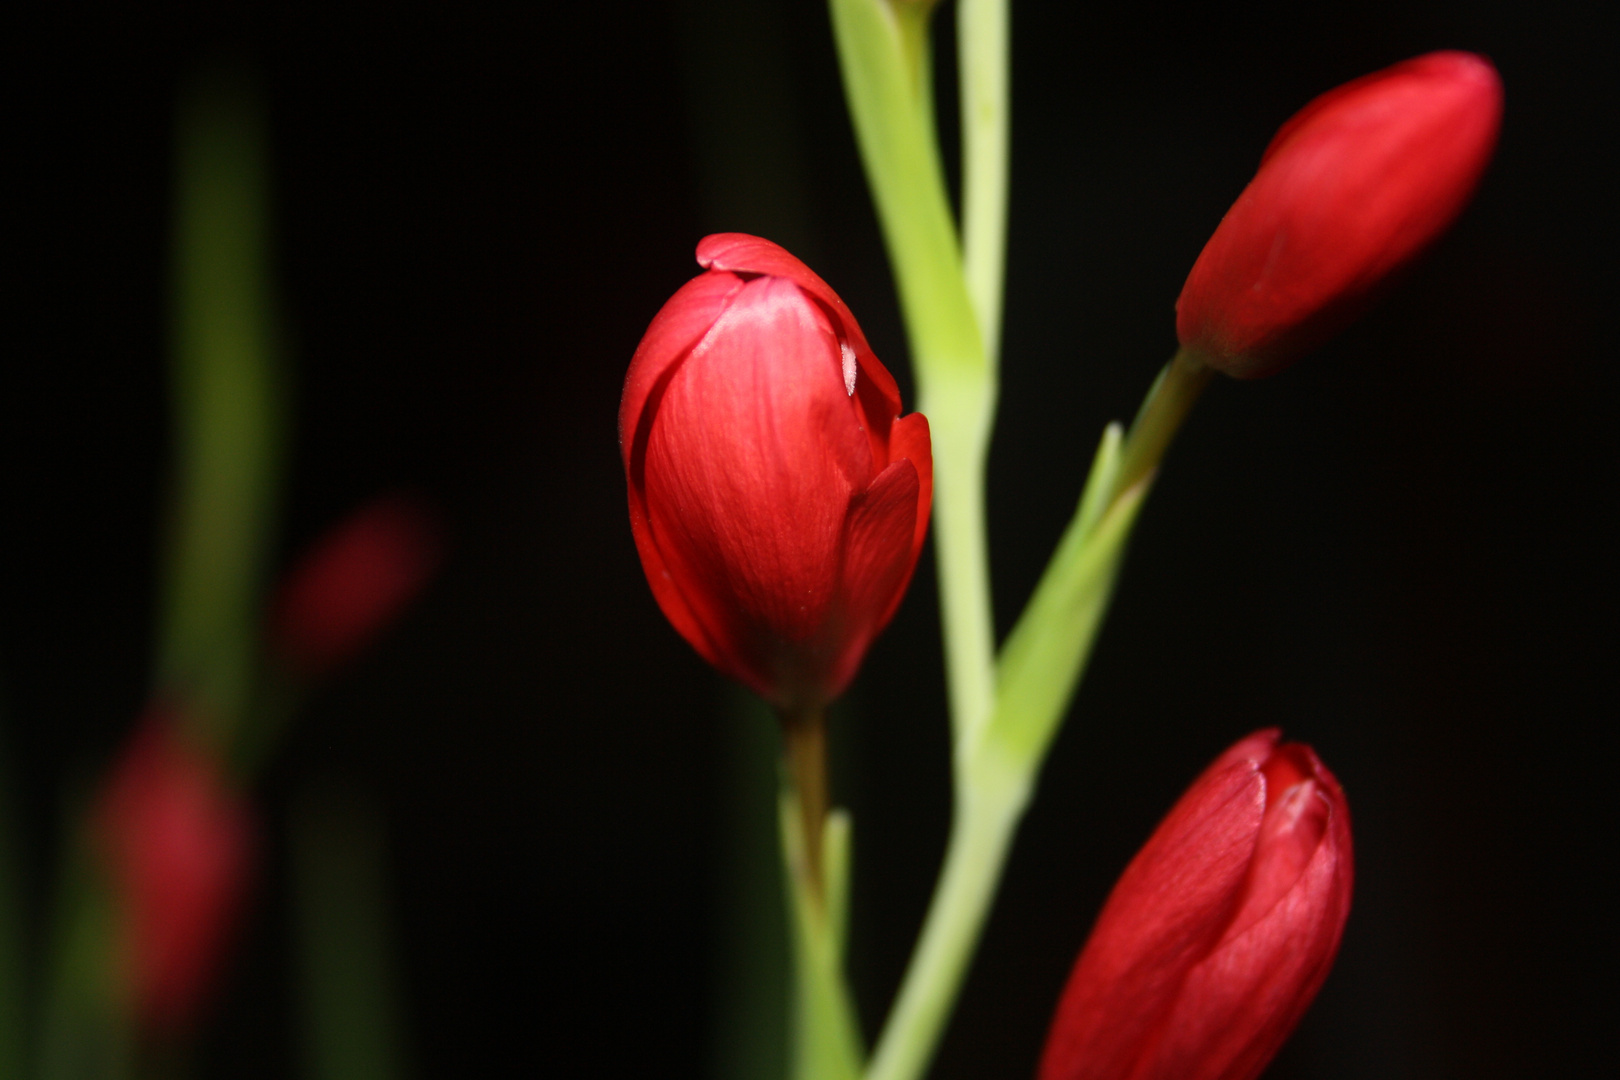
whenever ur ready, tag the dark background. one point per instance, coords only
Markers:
(1396, 550)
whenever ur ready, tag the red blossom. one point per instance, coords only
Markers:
(1351, 190)
(351, 583)
(178, 845)
(1220, 931)
(777, 498)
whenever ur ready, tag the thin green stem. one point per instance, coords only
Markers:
(827, 1041)
(982, 56)
(1167, 404)
(989, 808)
(804, 745)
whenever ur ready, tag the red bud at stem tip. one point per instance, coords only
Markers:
(778, 499)
(178, 847)
(1220, 931)
(351, 583)
(1351, 190)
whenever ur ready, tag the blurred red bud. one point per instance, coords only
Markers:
(1220, 931)
(351, 583)
(178, 845)
(778, 499)
(1351, 190)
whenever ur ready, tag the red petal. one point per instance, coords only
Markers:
(878, 560)
(744, 254)
(679, 325)
(1167, 912)
(752, 458)
(909, 441)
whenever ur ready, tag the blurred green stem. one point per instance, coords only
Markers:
(86, 1031)
(226, 408)
(341, 912)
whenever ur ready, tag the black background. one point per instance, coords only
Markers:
(1396, 550)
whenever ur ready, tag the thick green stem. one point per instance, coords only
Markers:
(989, 807)
(884, 55)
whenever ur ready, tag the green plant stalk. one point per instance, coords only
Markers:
(1003, 717)
(86, 1031)
(226, 411)
(885, 59)
(1041, 665)
(982, 59)
(988, 809)
(826, 1037)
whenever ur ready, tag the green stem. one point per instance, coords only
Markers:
(982, 56)
(804, 744)
(884, 56)
(988, 810)
(827, 1041)
(1167, 404)
(226, 405)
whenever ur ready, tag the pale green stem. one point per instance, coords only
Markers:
(982, 57)
(961, 551)
(989, 807)
(1046, 655)
(884, 55)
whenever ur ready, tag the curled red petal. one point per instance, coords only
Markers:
(879, 558)
(909, 441)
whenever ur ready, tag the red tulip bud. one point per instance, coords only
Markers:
(178, 845)
(351, 583)
(1220, 931)
(1351, 189)
(777, 498)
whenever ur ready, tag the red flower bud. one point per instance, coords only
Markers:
(178, 845)
(777, 498)
(1220, 931)
(351, 583)
(1351, 189)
